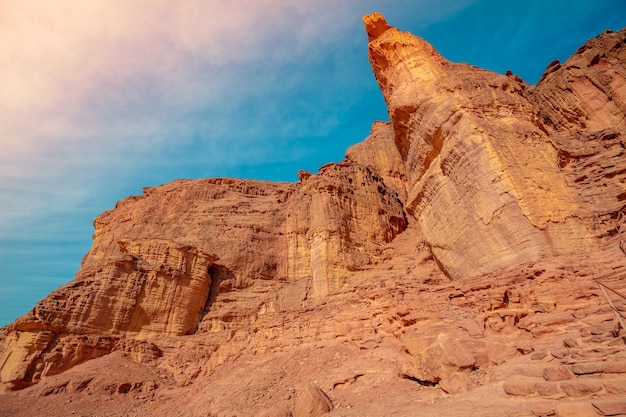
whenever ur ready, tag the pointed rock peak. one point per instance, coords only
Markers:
(375, 25)
(400, 59)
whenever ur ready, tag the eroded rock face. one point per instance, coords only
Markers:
(379, 152)
(162, 263)
(456, 247)
(153, 287)
(336, 222)
(148, 273)
(581, 104)
(484, 174)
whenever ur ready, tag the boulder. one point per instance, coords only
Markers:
(312, 402)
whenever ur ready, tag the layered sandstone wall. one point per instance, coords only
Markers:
(336, 223)
(176, 260)
(485, 176)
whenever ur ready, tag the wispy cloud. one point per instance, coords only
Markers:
(89, 80)
(84, 82)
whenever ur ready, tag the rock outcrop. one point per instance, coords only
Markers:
(336, 222)
(452, 260)
(484, 179)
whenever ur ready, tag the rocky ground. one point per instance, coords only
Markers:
(534, 341)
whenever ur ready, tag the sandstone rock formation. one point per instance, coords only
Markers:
(484, 200)
(450, 262)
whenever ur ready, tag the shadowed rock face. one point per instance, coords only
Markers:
(459, 236)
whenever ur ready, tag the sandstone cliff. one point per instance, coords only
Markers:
(453, 248)
(485, 177)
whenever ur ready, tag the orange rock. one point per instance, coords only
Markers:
(587, 368)
(456, 383)
(580, 388)
(549, 390)
(611, 407)
(442, 358)
(335, 223)
(312, 402)
(557, 373)
(576, 409)
(614, 367)
(520, 388)
(453, 122)
(616, 386)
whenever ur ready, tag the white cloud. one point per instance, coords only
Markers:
(72, 68)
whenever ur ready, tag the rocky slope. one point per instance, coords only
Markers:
(449, 264)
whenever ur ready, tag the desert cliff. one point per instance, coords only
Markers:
(467, 254)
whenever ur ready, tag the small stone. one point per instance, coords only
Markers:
(537, 356)
(542, 331)
(495, 323)
(611, 407)
(559, 353)
(586, 368)
(570, 343)
(602, 328)
(616, 386)
(558, 373)
(456, 383)
(312, 402)
(524, 347)
(580, 388)
(580, 314)
(549, 389)
(577, 409)
(542, 409)
(519, 388)
(543, 307)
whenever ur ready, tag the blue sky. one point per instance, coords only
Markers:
(99, 99)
